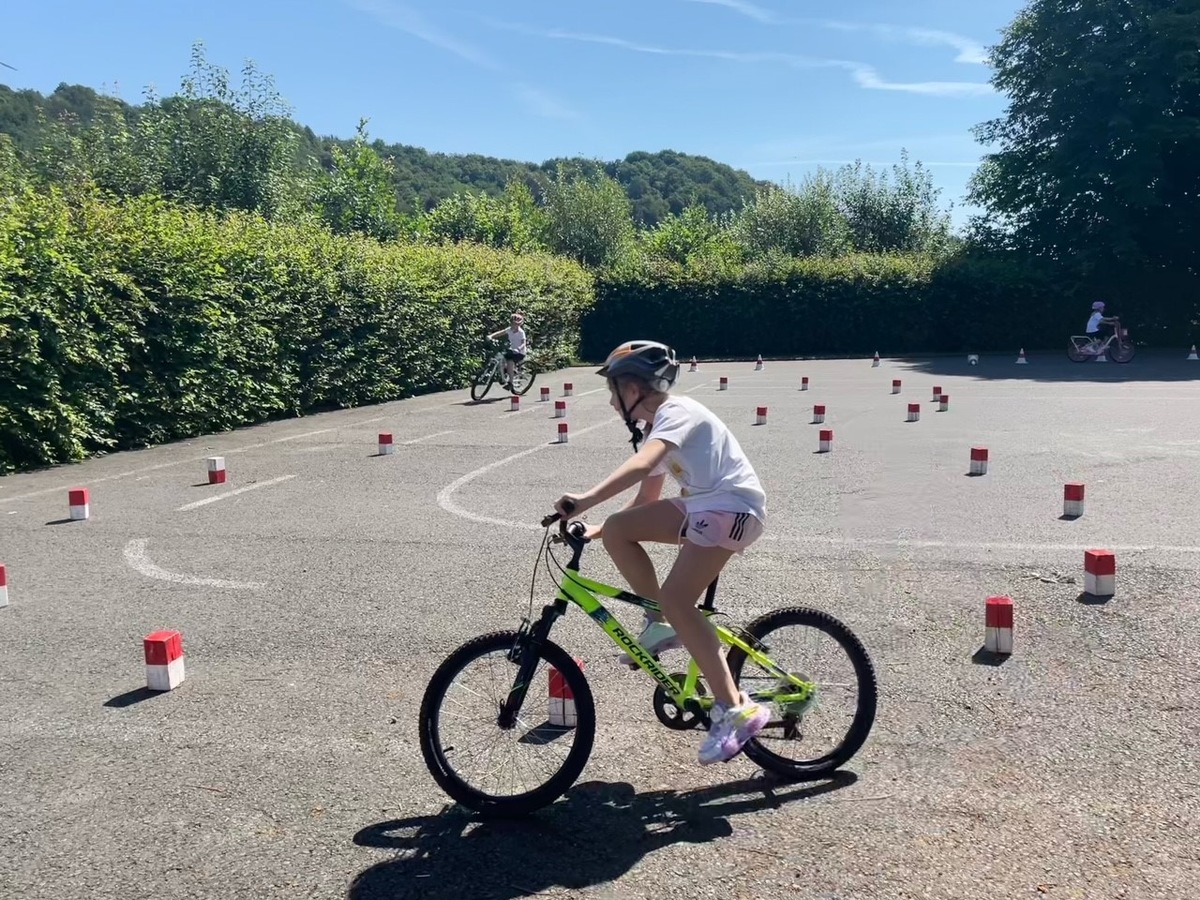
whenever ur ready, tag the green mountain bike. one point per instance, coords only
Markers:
(471, 734)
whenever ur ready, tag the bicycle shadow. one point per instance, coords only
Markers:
(595, 834)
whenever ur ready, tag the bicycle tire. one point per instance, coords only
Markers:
(1122, 352)
(491, 805)
(1075, 354)
(485, 379)
(868, 698)
(525, 390)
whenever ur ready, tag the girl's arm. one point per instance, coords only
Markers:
(635, 469)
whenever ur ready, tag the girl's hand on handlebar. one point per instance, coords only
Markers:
(569, 505)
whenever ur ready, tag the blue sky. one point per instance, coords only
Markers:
(777, 87)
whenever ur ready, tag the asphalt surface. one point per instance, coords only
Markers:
(314, 609)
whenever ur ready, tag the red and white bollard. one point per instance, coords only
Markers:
(164, 660)
(804, 383)
(562, 432)
(723, 384)
(914, 412)
(998, 622)
(943, 402)
(895, 385)
(562, 701)
(3, 586)
(386, 446)
(545, 395)
(77, 499)
(514, 403)
(1100, 573)
(818, 413)
(216, 470)
(560, 409)
(979, 460)
(937, 392)
(825, 440)
(1073, 499)
(568, 389)
(760, 416)
(758, 365)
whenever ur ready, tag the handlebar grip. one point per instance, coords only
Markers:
(554, 517)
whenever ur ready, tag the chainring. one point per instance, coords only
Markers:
(671, 715)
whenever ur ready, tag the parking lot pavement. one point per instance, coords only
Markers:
(317, 590)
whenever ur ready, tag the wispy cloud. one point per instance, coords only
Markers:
(408, 20)
(864, 75)
(746, 9)
(969, 51)
(403, 18)
(542, 103)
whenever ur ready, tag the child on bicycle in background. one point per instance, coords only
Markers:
(721, 510)
(1096, 323)
(518, 346)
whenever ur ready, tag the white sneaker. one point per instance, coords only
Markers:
(655, 637)
(731, 729)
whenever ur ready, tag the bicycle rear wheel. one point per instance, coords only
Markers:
(821, 742)
(453, 720)
(523, 379)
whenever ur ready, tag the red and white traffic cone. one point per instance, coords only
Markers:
(1193, 355)
(562, 700)
(216, 470)
(998, 624)
(1021, 360)
(164, 660)
(694, 366)
(1073, 499)
(77, 499)
(758, 365)
(979, 460)
(1100, 573)
(875, 361)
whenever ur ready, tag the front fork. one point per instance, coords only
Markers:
(524, 652)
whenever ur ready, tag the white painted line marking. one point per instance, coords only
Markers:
(697, 387)
(971, 545)
(135, 556)
(428, 437)
(234, 493)
(445, 496)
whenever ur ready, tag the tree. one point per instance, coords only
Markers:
(356, 193)
(896, 215)
(1097, 159)
(806, 221)
(588, 215)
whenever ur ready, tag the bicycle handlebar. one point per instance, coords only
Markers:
(554, 517)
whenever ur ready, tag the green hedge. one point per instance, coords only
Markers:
(849, 306)
(130, 323)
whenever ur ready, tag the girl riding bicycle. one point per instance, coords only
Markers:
(721, 510)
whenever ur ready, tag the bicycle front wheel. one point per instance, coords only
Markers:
(483, 381)
(495, 770)
(812, 739)
(523, 379)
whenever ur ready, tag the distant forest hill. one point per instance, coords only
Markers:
(658, 184)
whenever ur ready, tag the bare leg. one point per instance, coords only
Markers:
(693, 571)
(623, 533)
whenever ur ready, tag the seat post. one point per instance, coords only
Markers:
(709, 595)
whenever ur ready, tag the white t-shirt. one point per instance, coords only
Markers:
(1093, 324)
(712, 471)
(516, 340)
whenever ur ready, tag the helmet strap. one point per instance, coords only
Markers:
(635, 432)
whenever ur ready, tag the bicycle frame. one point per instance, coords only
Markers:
(585, 593)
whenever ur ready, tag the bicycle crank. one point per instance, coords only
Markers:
(671, 715)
